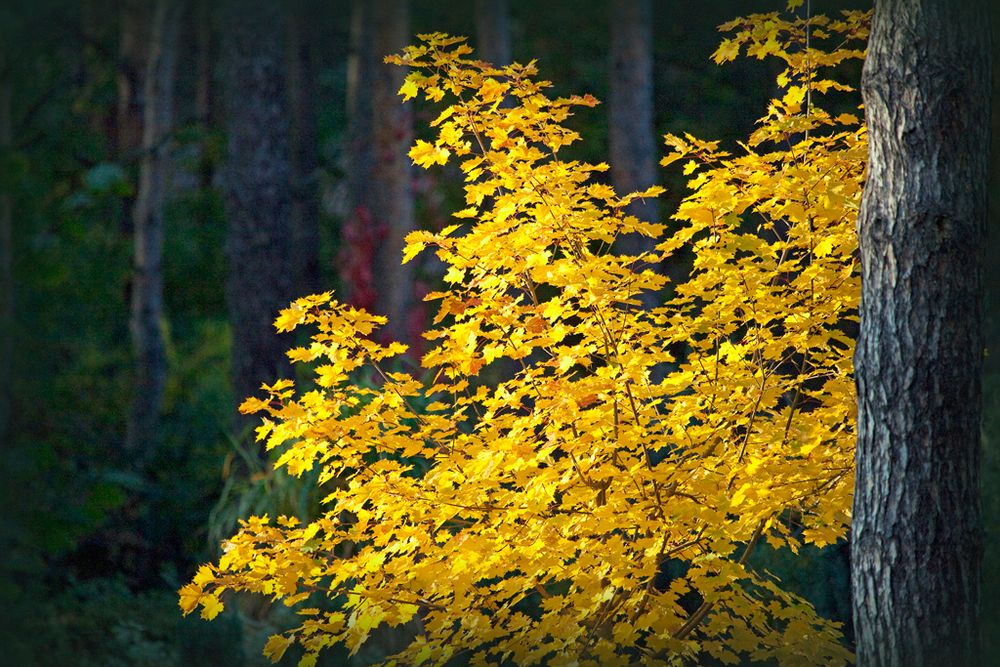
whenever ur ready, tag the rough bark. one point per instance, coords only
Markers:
(146, 318)
(990, 612)
(256, 184)
(632, 140)
(305, 163)
(392, 203)
(6, 265)
(916, 522)
(493, 31)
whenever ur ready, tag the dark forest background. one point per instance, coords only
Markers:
(172, 173)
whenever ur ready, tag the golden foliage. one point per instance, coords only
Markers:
(531, 519)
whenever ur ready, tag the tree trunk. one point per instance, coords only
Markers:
(990, 612)
(393, 196)
(146, 322)
(916, 522)
(305, 164)
(493, 31)
(203, 100)
(632, 140)
(356, 260)
(136, 17)
(257, 192)
(6, 263)
(205, 106)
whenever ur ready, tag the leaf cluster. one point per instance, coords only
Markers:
(533, 519)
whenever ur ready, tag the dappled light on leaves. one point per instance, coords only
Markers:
(600, 506)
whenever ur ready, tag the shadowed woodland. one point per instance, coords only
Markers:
(175, 173)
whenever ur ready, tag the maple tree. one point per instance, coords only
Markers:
(535, 519)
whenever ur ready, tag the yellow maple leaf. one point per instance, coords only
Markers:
(189, 596)
(425, 154)
(409, 89)
(211, 606)
(276, 646)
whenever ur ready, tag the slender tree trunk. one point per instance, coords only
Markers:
(136, 18)
(632, 139)
(205, 107)
(6, 262)
(916, 541)
(493, 31)
(257, 191)
(304, 146)
(147, 315)
(356, 260)
(392, 183)
(204, 60)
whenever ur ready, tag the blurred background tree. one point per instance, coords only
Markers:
(269, 160)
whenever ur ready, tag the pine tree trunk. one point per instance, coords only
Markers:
(916, 541)
(392, 203)
(356, 260)
(305, 164)
(146, 321)
(493, 31)
(990, 611)
(632, 140)
(256, 187)
(6, 265)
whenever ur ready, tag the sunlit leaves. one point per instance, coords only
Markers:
(425, 154)
(524, 493)
(276, 647)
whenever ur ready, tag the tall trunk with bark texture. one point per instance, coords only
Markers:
(493, 31)
(146, 321)
(393, 196)
(6, 263)
(990, 612)
(355, 262)
(256, 185)
(916, 523)
(305, 165)
(632, 140)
